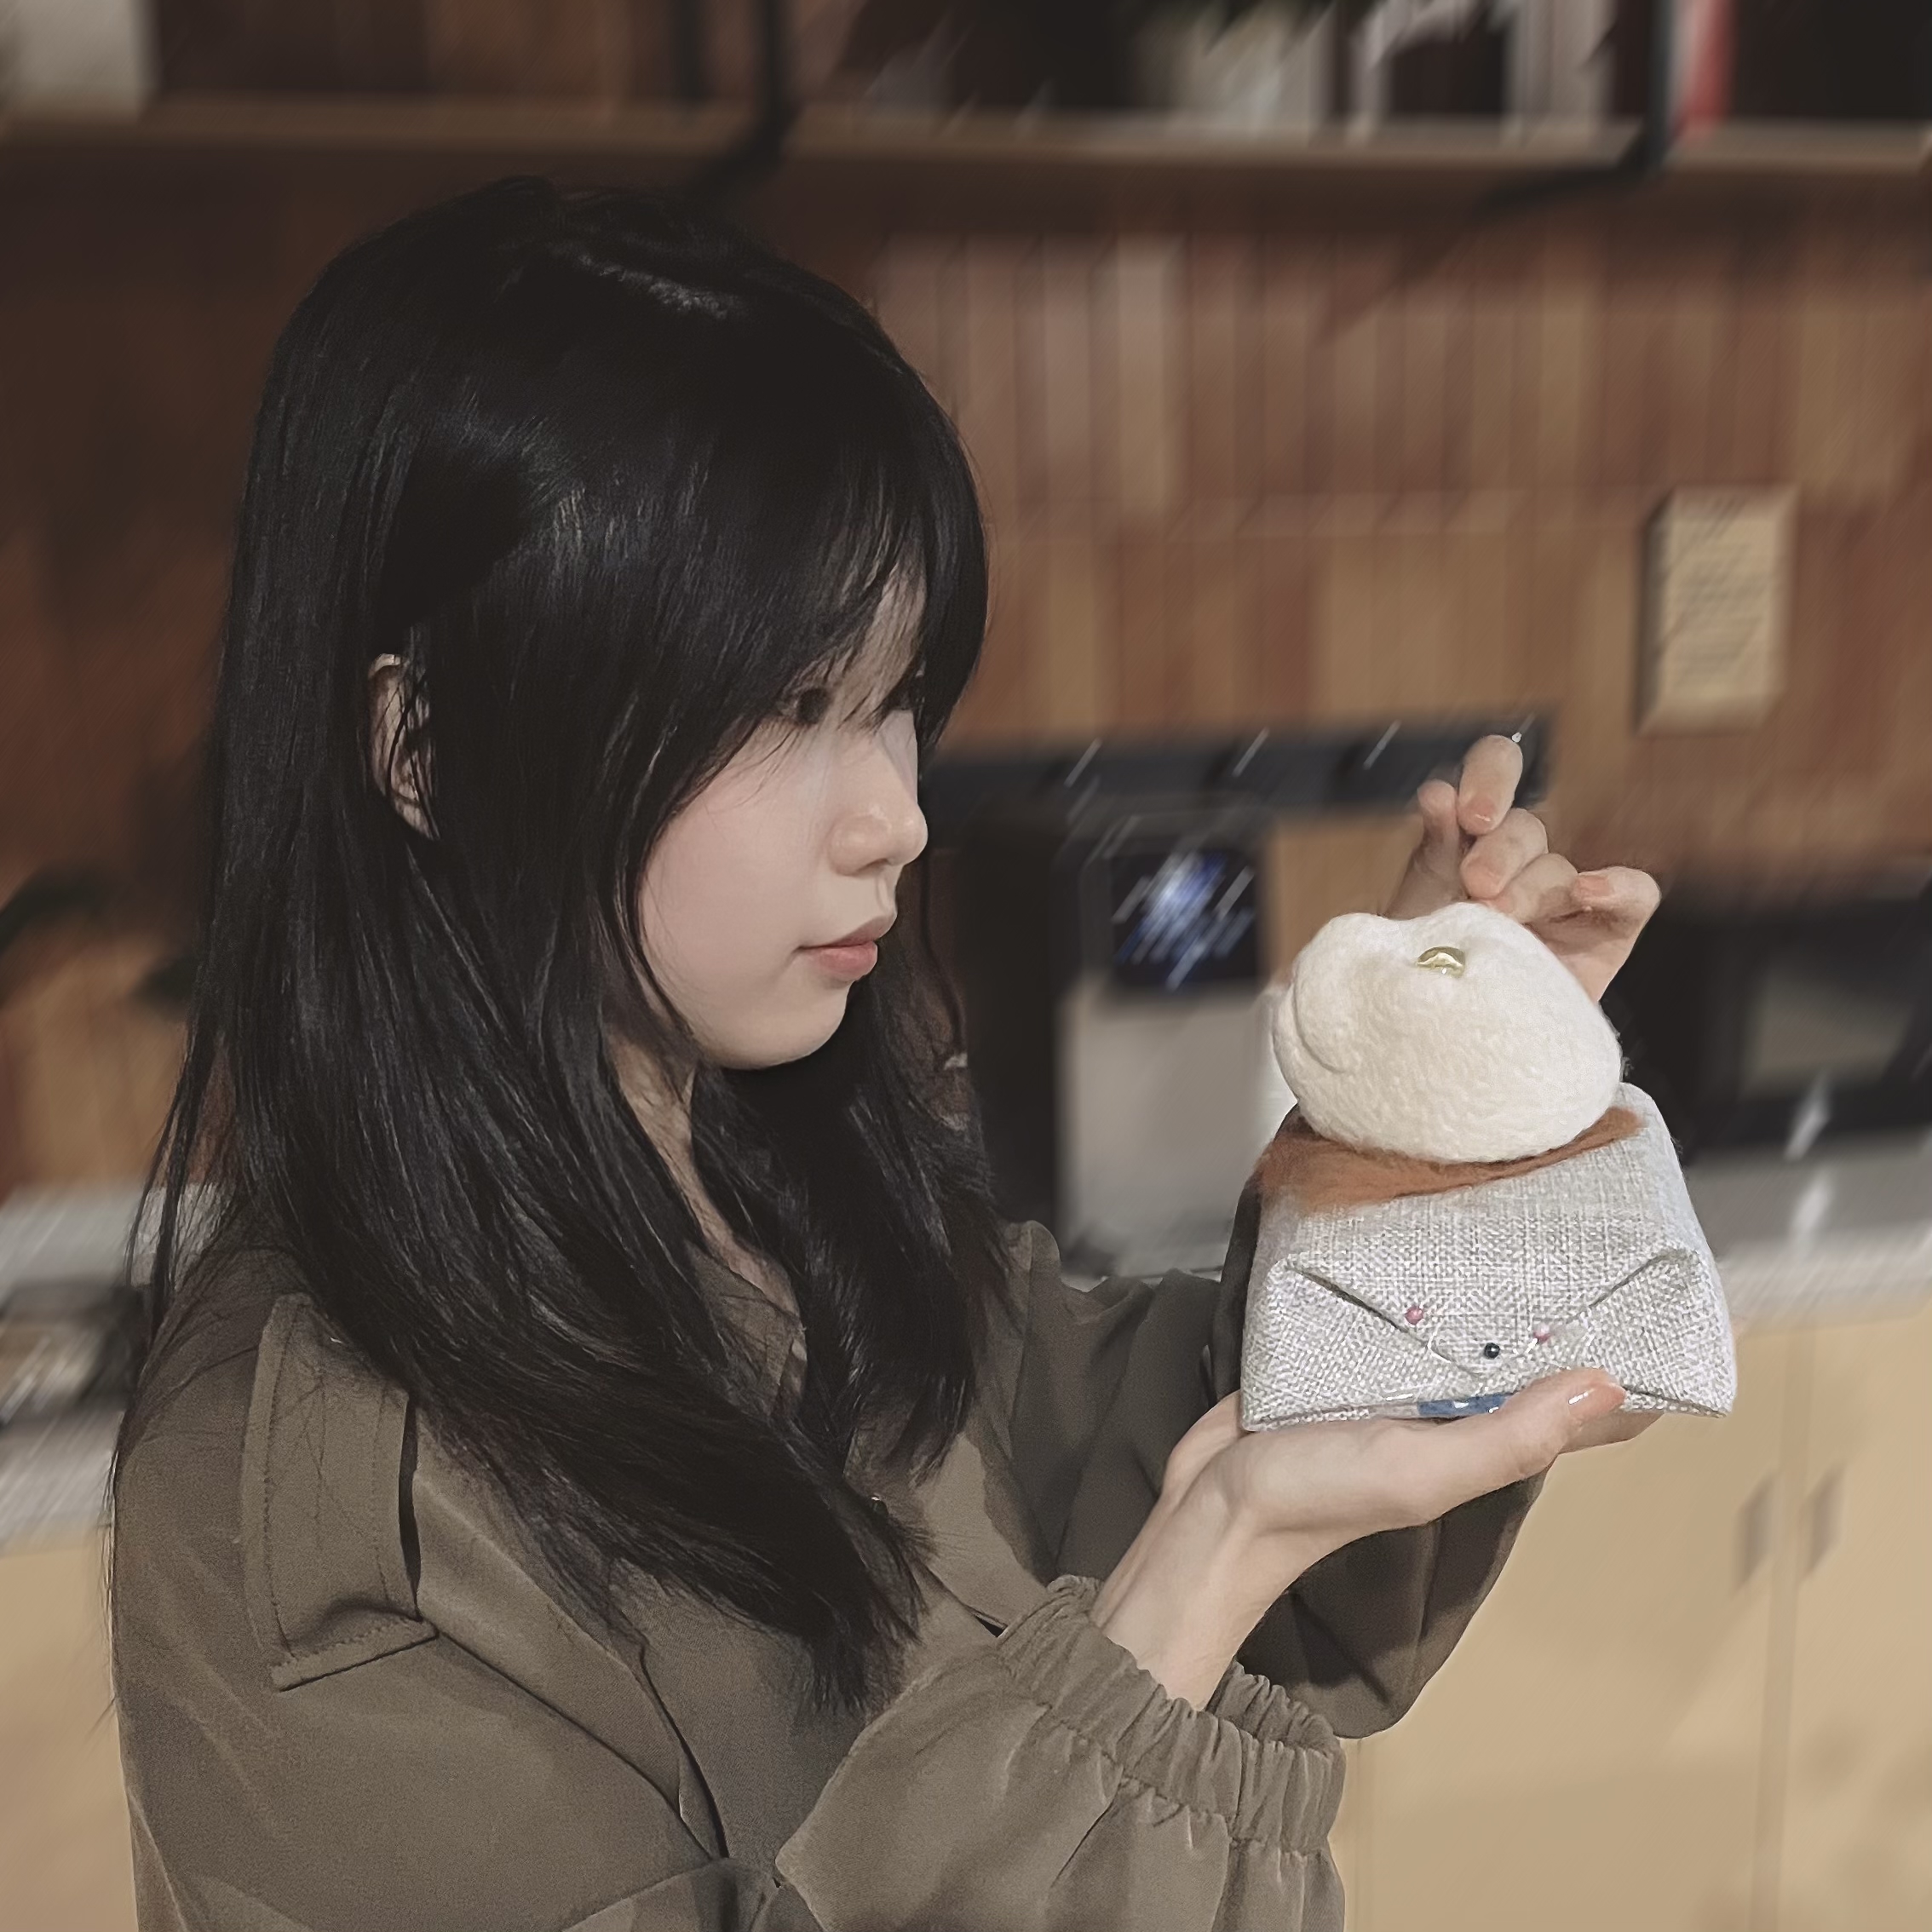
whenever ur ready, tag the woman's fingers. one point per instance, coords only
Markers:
(1481, 1453)
(1545, 888)
(1433, 878)
(1492, 769)
(1322, 1485)
(1619, 898)
(1478, 843)
(1457, 818)
(1622, 1425)
(1442, 846)
(1594, 936)
(1499, 856)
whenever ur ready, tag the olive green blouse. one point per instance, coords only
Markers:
(349, 1702)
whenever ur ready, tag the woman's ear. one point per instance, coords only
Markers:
(397, 765)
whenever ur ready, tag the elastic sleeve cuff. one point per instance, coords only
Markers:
(1267, 1765)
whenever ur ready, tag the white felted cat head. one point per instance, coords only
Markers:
(1459, 1036)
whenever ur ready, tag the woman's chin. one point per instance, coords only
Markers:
(781, 1040)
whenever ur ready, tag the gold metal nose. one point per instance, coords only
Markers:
(1444, 959)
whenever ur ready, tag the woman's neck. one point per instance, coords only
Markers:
(663, 1107)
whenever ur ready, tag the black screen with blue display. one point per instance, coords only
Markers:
(1185, 919)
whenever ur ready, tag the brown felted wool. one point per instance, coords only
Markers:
(1320, 1174)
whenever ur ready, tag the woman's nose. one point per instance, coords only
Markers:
(880, 822)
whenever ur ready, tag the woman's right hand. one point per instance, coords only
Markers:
(1243, 1513)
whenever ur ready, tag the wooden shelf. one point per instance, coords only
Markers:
(268, 123)
(1814, 150)
(1180, 143)
(1006, 167)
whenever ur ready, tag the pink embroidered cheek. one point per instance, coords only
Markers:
(1542, 1331)
(1413, 1315)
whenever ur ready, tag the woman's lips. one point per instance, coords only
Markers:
(849, 961)
(856, 955)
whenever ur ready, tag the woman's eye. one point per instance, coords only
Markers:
(808, 706)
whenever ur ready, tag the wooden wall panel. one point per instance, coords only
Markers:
(304, 45)
(1151, 631)
(1694, 318)
(910, 296)
(1299, 475)
(1334, 476)
(1293, 406)
(1361, 380)
(1280, 535)
(1141, 296)
(568, 48)
(986, 372)
(1753, 445)
(1500, 317)
(1057, 398)
(1223, 347)
(1325, 866)
(1422, 425)
(1567, 325)
(1076, 618)
(87, 1064)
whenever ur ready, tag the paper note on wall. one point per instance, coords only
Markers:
(1716, 601)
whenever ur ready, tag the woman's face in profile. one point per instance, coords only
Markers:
(795, 846)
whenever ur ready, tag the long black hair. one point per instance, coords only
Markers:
(610, 479)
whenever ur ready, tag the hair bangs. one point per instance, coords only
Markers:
(869, 511)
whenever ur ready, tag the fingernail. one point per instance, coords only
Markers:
(1600, 1399)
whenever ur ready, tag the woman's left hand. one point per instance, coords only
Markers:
(1478, 843)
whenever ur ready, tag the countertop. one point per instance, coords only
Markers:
(1844, 1233)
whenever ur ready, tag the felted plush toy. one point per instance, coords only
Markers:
(1466, 1196)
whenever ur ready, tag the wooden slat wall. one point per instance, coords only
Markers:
(1316, 477)
(607, 51)
(1329, 474)
(1332, 474)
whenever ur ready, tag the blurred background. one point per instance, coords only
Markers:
(1343, 380)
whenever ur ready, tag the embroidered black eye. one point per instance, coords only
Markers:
(1491, 1350)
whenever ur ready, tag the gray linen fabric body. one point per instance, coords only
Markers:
(1438, 1303)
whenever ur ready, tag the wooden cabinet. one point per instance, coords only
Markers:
(1699, 1700)
(1852, 1812)
(1696, 1698)
(64, 1865)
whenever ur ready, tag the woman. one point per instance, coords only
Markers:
(606, 1464)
